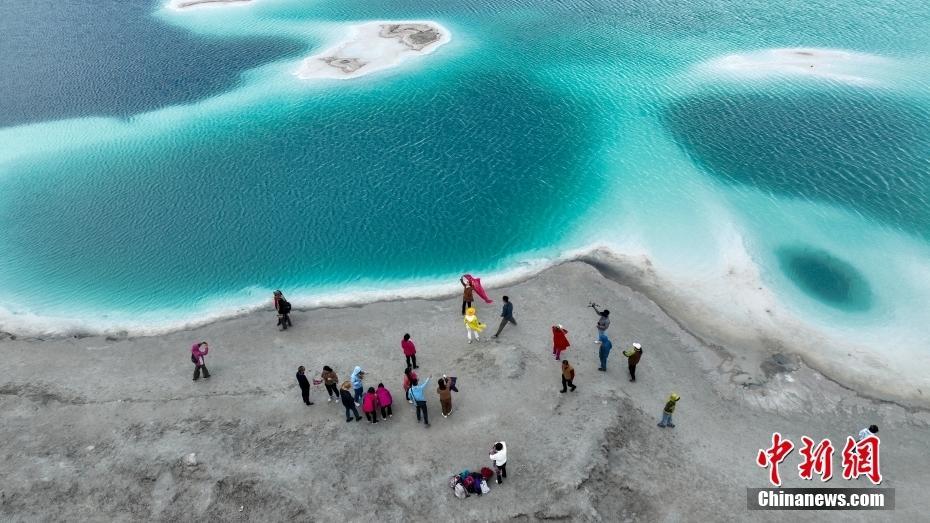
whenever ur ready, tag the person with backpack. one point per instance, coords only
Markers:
(348, 401)
(568, 376)
(604, 350)
(283, 308)
(633, 355)
(473, 325)
(370, 405)
(410, 351)
(385, 400)
(506, 316)
(669, 410)
(198, 351)
(304, 385)
(416, 392)
(331, 381)
(409, 378)
(357, 376)
(559, 341)
(498, 455)
(445, 398)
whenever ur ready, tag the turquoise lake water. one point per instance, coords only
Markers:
(158, 166)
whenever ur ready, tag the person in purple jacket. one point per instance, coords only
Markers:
(198, 351)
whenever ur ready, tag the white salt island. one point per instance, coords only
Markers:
(372, 47)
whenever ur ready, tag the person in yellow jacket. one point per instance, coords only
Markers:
(668, 410)
(472, 324)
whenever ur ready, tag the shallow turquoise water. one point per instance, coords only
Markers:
(542, 127)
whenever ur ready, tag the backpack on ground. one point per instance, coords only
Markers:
(487, 473)
(453, 481)
(469, 484)
(484, 487)
(460, 491)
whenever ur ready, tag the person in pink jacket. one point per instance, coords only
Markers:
(370, 405)
(198, 351)
(410, 351)
(409, 378)
(385, 400)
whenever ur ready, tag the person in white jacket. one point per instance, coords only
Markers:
(499, 456)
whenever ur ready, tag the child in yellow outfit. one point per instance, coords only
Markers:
(472, 325)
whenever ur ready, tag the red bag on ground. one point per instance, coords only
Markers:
(487, 473)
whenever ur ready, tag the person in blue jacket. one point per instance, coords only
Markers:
(357, 376)
(604, 351)
(416, 392)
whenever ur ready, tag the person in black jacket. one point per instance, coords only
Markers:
(348, 401)
(304, 384)
(283, 307)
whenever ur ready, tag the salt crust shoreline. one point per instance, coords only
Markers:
(374, 46)
(83, 415)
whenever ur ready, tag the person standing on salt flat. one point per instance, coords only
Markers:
(198, 351)
(506, 316)
(410, 351)
(385, 400)
(559, 341)
(468, 294)
(603, 321)
(568, 377)
(634, 354)
(445, 398)
(473, 325)
(416, 392)
(498, 455)
(348, 401)
(669, 410)
(410, 378)
(304, 385)
(283, 308)
(604, 350)
(479, 290)
(331, 380)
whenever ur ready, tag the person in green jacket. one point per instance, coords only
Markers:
(669, 409)
(633, 355)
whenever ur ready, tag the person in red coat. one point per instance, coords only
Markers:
(410, 351)
(559, 341)
(370, 405)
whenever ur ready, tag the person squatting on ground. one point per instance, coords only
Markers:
(568, 376)
(410, 378)
(669, 410)
(385, 400)
(357, 376)
(304, 384)
(506, 316)
(445, 398)
(416, 392)
(468, 294)
(868, 431)
(559, 341)
(198, 351)
(410, 351)
(283, 308)
(604, 351)
(499, 456)
(331, 381)
(603, 321)
(634, 354)
(370, 405)
(348, 401)
(473, 325)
